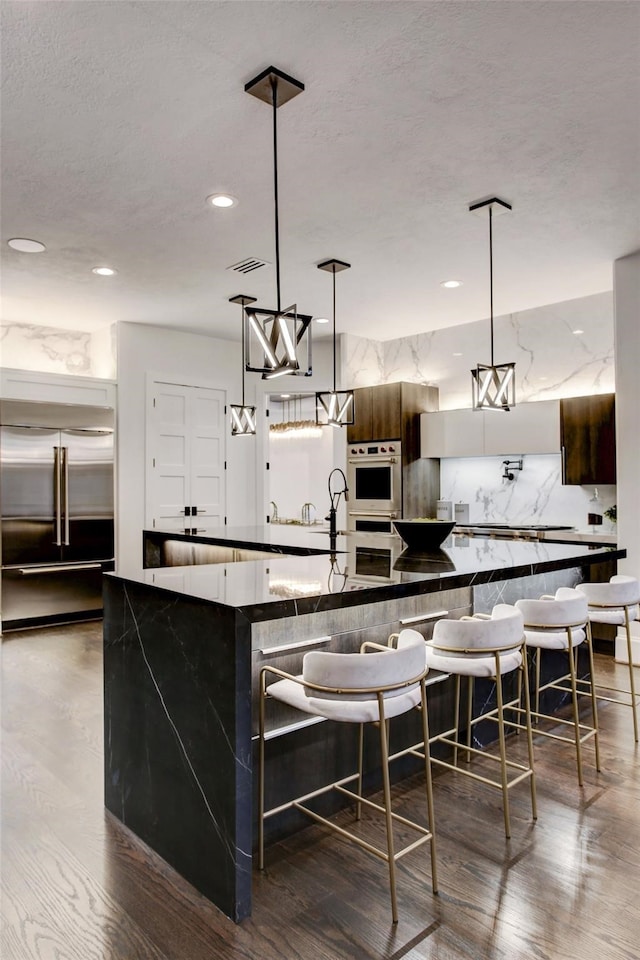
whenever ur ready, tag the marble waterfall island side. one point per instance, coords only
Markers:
(183, 646)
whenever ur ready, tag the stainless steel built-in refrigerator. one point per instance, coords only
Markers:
(56, 488)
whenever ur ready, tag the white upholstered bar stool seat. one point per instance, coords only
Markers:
(489, 647)
(618, 603)
(359, 688)
(561, 622)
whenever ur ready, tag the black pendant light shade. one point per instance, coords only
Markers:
(278, 341)
(493, 386)
(334, 408)
(243, 417)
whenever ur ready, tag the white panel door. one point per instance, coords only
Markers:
(207, 448)
(186, 457)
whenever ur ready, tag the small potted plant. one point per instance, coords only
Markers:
(611, 514)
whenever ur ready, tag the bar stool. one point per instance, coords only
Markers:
(561, 622)
(492, 647)
(366, 687)
(616, 602)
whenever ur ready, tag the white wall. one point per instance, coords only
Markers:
(536, 495)
(627, 339)
(551, 361)
(300, 466)
(286, 480)
(188, 359)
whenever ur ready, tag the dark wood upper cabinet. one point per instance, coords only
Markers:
(388, 411)
(361, 428)
(377, 414)
(391, 411)
(588, 438)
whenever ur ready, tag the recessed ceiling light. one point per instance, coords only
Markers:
(322, 320)
(577, 332)
(104, 271)
(285, 396)
(543, 378)
(222, 200)
(457, 354)
(450, 284)
(26, 246)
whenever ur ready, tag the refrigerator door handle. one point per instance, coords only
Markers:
(55, 568)
(65, 492)
(57, 495)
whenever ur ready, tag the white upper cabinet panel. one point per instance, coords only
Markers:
(452, 433)
(528, 428)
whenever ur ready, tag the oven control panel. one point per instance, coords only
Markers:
(379, 449)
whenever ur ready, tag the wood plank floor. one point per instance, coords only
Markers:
(79, 886)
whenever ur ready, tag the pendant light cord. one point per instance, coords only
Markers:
(274, 94)
(490, 276)
(242, 306)
(334, 327)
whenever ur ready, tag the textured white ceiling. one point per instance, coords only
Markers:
(120, 118)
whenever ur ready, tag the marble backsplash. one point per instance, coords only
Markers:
(535, 495)
(56, 350)
(551, 360)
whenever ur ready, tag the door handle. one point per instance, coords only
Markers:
(57, 568)
(57, 495)
(65, 492)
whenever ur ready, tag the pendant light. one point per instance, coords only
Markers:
(493, 385)
(243, 417)
(334, 407)
(276, 339)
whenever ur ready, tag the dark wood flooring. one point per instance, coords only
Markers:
(79, 886)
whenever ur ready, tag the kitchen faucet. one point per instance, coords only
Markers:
(334, 496)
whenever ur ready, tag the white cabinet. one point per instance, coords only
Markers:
(452, 433)
(527, 428)
(56, 388)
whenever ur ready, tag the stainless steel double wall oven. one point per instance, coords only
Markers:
(374, 478)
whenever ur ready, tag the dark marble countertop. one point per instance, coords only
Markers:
(364, 569)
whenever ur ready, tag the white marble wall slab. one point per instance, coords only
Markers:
(551, 361)
(536, 495)
(54, 350)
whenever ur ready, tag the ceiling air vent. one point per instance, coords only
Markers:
(248, 265)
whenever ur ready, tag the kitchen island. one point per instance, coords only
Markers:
(185, 638)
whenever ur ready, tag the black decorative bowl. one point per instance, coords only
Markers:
(436, 560)
(423, 535)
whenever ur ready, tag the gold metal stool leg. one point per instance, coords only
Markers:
(527, 713)
(632, 685)
(360, 764)
(503, 751)
(429, 787)
(263, 687)
(574, 701)
(386, 786)
(594, 699)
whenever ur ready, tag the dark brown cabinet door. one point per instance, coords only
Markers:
(385, 412)
(588, 437)
(361, 429)
(377, 413)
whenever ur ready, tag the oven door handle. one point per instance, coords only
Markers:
(362, 463)
(392, 514)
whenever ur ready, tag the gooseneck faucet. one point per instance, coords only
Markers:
(334, 496)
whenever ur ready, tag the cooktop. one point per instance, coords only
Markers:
(517, 526)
